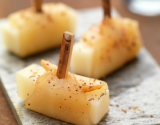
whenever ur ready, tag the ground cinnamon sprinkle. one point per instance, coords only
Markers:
(124, 110)
(92, 37)
(91, 99)
(90, 87)
(52, 78)
(130, 107)
(134, 108)
(101, 94)
(151, 116)
(117, 105)
(48, 81)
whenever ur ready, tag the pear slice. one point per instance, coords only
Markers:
(74, 99)
(106, 47)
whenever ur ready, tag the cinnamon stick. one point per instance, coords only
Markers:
(65, 54)
(106, 8)
(37, 4)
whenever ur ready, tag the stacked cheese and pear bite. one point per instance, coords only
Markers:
(28, 32)
(72, 98)
(106, 47)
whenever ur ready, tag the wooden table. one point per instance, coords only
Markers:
(149, 27)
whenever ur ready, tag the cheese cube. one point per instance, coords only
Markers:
(26, 79)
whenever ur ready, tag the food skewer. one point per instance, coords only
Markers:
(106, 8)
(37, 4)
(65, 54)
(47, 90)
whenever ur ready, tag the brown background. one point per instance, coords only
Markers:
(149, 27)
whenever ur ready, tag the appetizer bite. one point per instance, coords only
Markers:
(38, 28)
(107, 46)
(57, 93)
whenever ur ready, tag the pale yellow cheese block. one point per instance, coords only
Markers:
(28, 32)
(74, 99)
(106, 47)
(26, 79)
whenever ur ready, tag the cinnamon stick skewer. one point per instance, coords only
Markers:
(37, 4)
(106, 8)
(65, 54)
